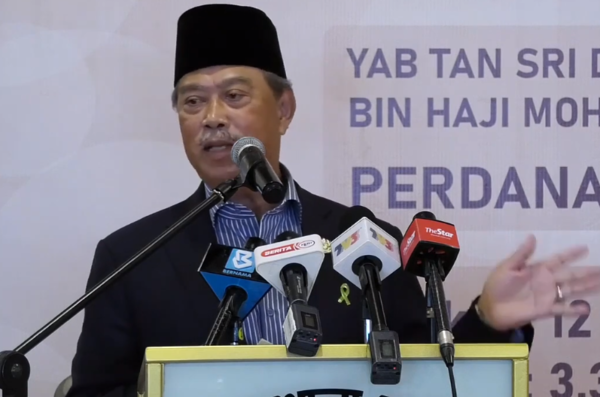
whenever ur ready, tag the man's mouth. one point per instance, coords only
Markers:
(217, 146)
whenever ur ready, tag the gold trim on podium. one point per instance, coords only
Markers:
(157, 357)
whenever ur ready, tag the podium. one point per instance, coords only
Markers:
(491, 370)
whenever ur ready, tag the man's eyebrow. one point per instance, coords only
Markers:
(236, 80)
(223, 84)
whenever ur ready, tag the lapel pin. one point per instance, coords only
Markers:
(345, 293)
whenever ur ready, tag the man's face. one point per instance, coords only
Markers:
(217, 106)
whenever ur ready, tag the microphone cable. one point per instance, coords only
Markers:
(445, 337)
(452, 381)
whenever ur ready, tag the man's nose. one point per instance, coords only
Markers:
(216, 115)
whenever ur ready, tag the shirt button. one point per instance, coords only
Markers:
(270, 312)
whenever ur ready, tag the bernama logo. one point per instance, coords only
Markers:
(439, 232)
(288, 248)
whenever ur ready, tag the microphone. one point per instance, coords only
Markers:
(365, 254)
(291, 266)
(253, 243)
(429, 250)
(255, 171)
(230, 273)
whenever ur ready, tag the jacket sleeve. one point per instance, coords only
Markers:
(107, 361)
(406, 311)
(471, 329)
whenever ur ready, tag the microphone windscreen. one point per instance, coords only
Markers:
(353, 215)
(253, 243)
(242, 144)
(425, 215)
(289, 235)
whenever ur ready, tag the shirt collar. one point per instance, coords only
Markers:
(291, 196)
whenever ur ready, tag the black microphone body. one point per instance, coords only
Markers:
(383, 343)
(302, 325)
(367, 269)
(293, 278)
(253, 243)
(435, 287)
(227, 316)
(256, 172)
(14, 366)
(367, 324)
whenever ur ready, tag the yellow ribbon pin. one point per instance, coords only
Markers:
(345, 291)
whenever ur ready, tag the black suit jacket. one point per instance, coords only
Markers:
(165, 302)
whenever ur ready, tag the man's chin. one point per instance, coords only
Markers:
(216, 175)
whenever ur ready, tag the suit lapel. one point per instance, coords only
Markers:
(313, 214)
(316, 219)
(186, 253)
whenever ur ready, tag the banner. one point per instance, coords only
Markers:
(494, 129)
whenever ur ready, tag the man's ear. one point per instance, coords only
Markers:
(287, 109)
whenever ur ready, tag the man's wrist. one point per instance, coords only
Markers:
(482, 316)
(516, 333)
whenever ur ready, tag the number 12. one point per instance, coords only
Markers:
(575, 331)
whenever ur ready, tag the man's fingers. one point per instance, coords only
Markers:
(578, 282)
(568, 274)
(566, 257)
(565, 309)
(519, 258)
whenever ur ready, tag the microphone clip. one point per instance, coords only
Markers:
(228, 188)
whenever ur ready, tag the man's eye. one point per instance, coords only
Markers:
(192, 101)
(234, 96)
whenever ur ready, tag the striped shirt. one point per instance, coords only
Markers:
(234, 224)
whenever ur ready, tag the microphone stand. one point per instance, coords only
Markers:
(366, 321)
(434, 274)
(237, 329)
(437, 314)
(430, 313)
(14, 366)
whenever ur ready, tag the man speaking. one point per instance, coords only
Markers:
(230, 82)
